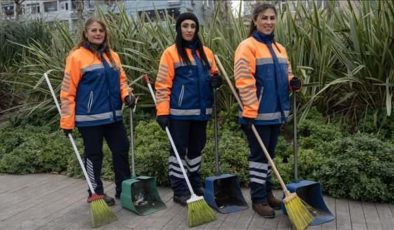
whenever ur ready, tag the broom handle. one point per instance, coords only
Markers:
(132, 142)
(70, 137)
(295, 142)
(146, 78)
(282, 184)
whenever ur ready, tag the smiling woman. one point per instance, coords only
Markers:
(93, 90)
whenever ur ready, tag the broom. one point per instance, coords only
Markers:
(198, 211)
(298, 213)
(100, 213)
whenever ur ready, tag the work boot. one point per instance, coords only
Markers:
(109, 200)
(182, 200)
(273, 201)
(264, 210)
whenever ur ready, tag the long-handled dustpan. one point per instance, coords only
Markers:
(139, 194)
(309, 191)
(223, 192)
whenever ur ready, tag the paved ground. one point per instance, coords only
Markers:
(47, 201)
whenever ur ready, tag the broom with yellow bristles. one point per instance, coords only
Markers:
(198, 211)
(100, 213)
(298, 213)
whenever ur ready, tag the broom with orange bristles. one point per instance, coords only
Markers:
(298, 213)
(198, 211)
(100, 213)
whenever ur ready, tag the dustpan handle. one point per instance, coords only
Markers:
(216, 131)
(295, 143)
(274, 169)
(132, 142)
(147, 81)
(70, 137)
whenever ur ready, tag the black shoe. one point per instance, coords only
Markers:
(109, 200)
(182, 200)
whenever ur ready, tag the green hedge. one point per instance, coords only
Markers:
(359, 167)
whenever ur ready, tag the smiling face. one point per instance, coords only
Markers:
(95, 33)
(265, 21)
(188, 28)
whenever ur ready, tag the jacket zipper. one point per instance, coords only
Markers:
(90, 102)
(181, 96)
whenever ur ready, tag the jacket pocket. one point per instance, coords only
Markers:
(180, 99)
(90, 101)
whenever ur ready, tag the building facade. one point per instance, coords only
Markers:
(69, 11)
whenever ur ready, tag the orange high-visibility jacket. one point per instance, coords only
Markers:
(264, 94)
(92, 90)
(182, 91)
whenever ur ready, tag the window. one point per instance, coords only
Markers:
(50, 6)
(151, 14)
(8, 10)
(33, 8)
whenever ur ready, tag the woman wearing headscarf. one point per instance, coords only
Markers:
(186, 76)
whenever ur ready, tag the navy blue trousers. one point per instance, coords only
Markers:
(116, 138)
(259, 169)
(189, 137)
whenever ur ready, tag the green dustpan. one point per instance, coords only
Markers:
(139, 194)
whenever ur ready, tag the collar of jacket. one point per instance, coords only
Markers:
(99, 49)
(264, 38)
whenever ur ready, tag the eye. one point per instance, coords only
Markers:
(272, 18)
(193, 26)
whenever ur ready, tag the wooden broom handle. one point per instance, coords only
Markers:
(282, 184)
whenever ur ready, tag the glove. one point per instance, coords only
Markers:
(249, 122)
(295, 84)
(67, 131)
(129, 100)
(163, 121)
(216, 81)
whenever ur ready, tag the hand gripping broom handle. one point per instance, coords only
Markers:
(282, 184)
(147, 81)
(70, 137)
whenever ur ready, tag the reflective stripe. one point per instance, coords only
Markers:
(258, 174)
(268, 116)
(263, 61)
(182, 112)
(180, 64)
(189, 112)
(172, 159)
(89, 170)
(95, 117)
(194, 161)
(193, 165)
(92, 67)
(255, 180)
(258, 165)
(171, 173)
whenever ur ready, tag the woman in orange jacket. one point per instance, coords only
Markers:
(93, 90)
(263, 78)
(184, 83)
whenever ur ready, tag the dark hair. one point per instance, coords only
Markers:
(257, 10)
(181, 44)
(105, 46)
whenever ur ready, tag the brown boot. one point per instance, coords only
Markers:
(273, 202)
(264, 210)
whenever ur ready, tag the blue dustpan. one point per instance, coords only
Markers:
(308, 191)
(223, 191)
